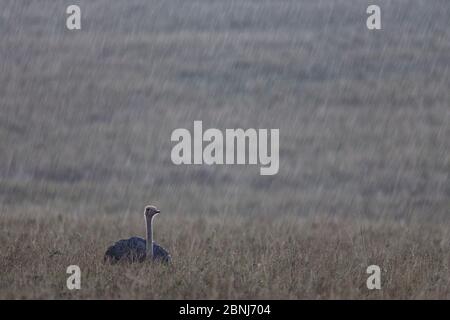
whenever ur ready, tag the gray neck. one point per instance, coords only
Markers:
(149, 242)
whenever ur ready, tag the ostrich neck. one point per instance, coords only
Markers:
(149, 243)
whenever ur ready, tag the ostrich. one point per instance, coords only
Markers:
(136, 249)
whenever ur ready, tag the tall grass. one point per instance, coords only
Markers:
(232, 257)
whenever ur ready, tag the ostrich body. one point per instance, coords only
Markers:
(136, 249)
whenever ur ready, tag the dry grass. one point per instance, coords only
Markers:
(232, 257)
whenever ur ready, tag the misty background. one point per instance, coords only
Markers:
(364, 116)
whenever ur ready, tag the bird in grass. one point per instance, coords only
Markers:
(136, 249)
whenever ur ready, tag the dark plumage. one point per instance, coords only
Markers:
(134, 250)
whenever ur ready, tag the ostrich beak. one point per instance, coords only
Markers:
(158, 211)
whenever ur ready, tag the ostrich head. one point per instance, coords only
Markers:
(151, 211)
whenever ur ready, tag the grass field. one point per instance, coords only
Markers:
(364, 119)
(226, 257)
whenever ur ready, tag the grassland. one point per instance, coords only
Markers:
(226, 257)
(364, 119)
